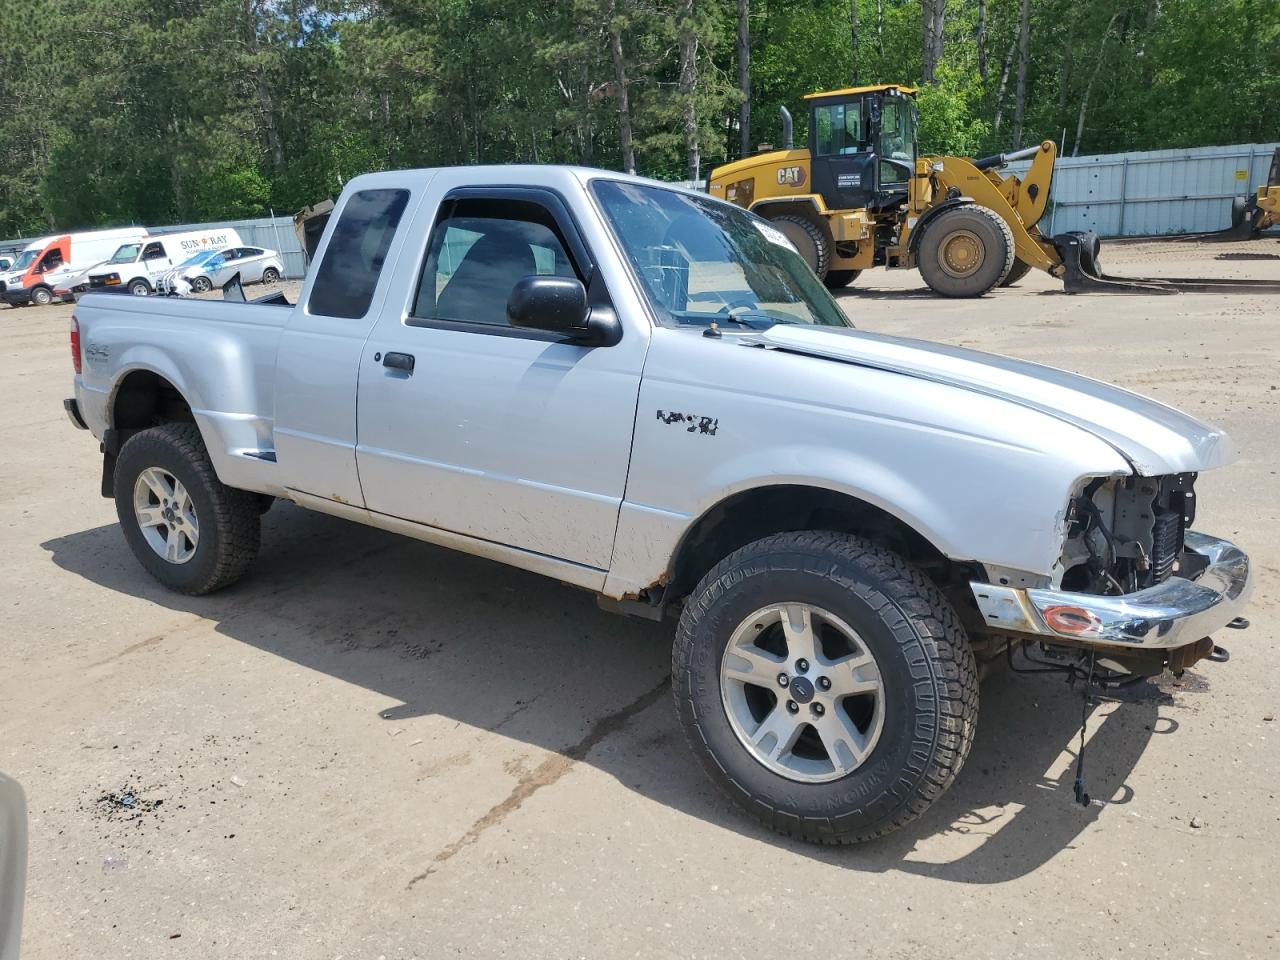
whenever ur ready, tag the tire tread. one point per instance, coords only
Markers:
(947, 655)
(235, 523)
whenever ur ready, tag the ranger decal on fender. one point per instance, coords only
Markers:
(707, 425)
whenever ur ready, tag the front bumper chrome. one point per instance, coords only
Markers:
(1163, 617)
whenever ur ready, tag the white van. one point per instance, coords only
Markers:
(137, 266)
(50, 262)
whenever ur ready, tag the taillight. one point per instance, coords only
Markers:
(75, 344)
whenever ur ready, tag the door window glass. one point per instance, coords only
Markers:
(479, 250)
(153, 251)
(839, 129)
(349, 270)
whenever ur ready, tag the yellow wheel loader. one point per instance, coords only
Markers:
(1251, 215)
(858, 196)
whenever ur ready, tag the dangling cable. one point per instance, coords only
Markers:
(1082, 798)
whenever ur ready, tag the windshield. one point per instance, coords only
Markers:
(126, 254)
(702, 261)
(200, 258)
(898, 129)
(27, 259)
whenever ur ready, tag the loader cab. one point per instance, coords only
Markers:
(862, 144)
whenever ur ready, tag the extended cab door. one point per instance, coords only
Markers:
(514, 436)
(319, 354)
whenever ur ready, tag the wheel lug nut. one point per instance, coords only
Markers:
(824, 683)
(793, 707)
(783, 679)
(802, 666)
(818, 709)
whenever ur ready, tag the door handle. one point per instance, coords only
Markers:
(399, 361)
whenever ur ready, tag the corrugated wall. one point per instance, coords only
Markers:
(1153, 192)
(274, 233)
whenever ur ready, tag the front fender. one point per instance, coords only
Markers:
(979, 477)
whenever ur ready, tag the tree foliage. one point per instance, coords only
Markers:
(164, 111)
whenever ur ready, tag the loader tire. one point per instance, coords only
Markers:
(809, 240)
(1016, 273)
(825, 684)
(188, 529)
(835, 279)
(965, 251)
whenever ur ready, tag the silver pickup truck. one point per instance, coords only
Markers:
(645, 393)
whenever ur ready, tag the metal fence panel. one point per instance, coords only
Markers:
(274, 233)
(1154, 192)
(1139, 194)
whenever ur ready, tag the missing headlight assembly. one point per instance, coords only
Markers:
(1123, 535)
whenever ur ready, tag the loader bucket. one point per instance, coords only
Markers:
(1083, 274)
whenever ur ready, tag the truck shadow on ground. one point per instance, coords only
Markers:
(521, 656)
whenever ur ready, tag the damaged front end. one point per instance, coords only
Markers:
(1134, 584)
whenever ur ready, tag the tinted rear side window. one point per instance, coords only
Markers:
(349, 270)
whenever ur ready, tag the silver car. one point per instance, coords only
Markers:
(254, 264)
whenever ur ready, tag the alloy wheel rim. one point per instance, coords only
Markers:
(166, 515)
(802, 692)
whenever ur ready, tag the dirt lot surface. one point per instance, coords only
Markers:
(376, 748)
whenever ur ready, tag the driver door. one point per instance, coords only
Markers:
(514, 436)
(844, 165)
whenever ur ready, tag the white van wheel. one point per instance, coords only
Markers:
(41, 296)
(140, 288)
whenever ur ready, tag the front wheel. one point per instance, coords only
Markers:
(201, 285)
(190, 531)
(826, 685)
(965, 251)
(41, 296)
(1016, 273)
(140, 288)
(271, 275)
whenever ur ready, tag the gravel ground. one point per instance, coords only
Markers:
(376, 748)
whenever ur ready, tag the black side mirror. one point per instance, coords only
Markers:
(558, 304)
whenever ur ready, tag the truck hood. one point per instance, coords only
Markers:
(1154, 437)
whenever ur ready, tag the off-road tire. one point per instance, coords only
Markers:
(42, 296)
(808, 239)
(139, 288)
(997, 244)
(271, 275)
(1016, 273)
(229, 525)
(835, 279)
(929, 676)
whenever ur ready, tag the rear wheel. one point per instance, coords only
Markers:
(835, 279)
(808, 239)
(190, 531)
(271, 275)
(826, 685)
(42, 296)
(965, 251)
(1016, 273)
